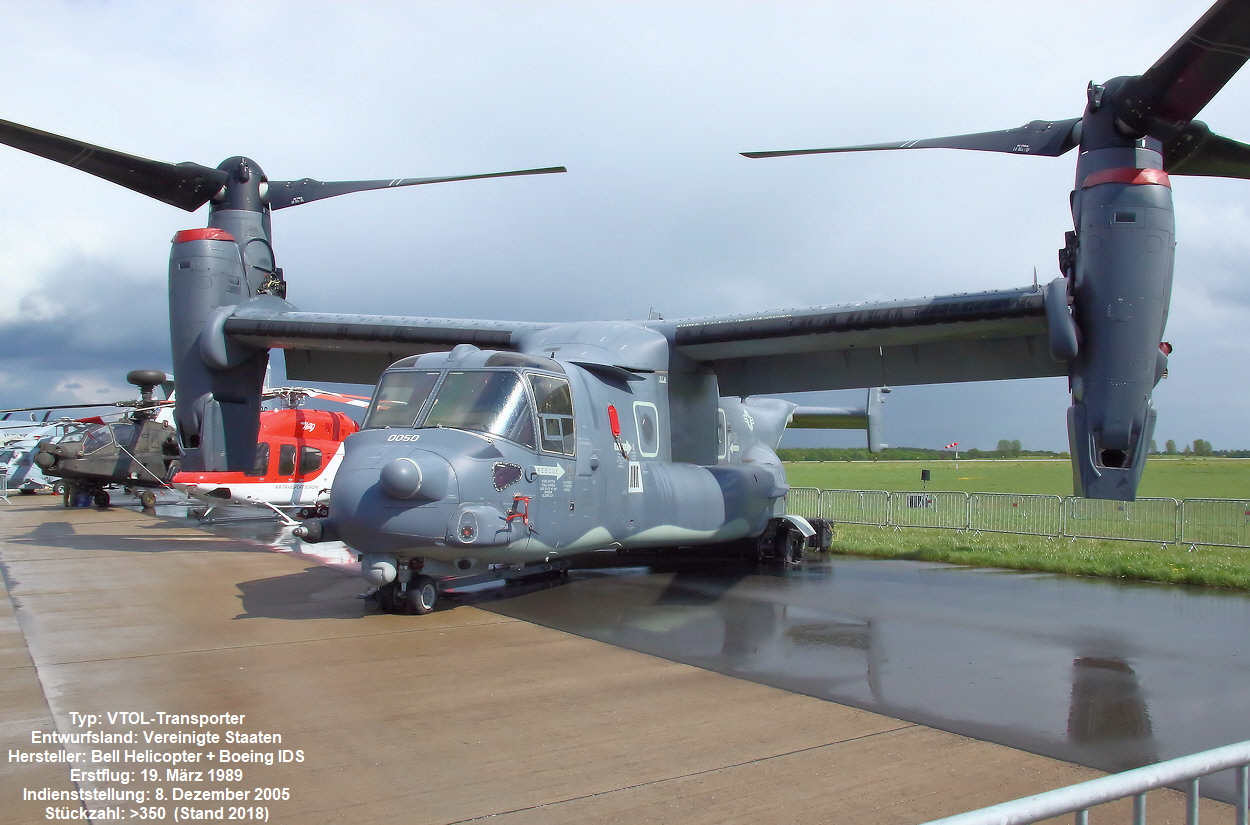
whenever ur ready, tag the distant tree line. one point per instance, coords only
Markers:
(904, 454)
(1006, 449)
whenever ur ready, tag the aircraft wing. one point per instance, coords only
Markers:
(953, 338)
(970, 337)
(355, 349)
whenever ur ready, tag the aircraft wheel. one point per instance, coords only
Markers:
(101, 498)
(422, 595)
(148, 499)
(390, 598)
(791, 548)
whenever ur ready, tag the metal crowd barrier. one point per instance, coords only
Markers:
(869, 507)
(1147, 519)
(1217, 522)
(1010, 513)
(924, 509)
(1078, 799)
(1214, 522)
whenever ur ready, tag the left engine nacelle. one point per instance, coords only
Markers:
(219, 382)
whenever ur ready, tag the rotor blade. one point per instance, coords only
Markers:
(1040, 137)
(284, 193)
(1199, 151)
(60, 407)
(138, 405)
(291, 394)
(1188, 75)
(342, 398)
(185, 185)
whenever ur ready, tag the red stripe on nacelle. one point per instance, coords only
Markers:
(206, 234)
(1134, 177)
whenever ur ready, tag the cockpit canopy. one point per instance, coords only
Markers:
(530, 408)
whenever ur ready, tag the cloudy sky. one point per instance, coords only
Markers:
(648, 104)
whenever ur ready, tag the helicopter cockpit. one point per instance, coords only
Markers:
(97, 438)
(532, 409)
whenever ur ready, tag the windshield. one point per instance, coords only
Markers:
(399, 399)
(491, 401)
(98, 437)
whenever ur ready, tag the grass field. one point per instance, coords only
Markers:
(1177, 478)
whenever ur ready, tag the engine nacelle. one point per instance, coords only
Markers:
(217, 405)
(1121, 288)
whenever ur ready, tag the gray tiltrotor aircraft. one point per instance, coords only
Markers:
(492, 445)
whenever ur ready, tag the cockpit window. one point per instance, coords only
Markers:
(399, 398)
(490, 401)
(99, 437)
(555, 413)
(261, 464)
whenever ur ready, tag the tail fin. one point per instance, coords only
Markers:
(867, 418)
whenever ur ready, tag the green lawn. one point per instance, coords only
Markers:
(1178, 478)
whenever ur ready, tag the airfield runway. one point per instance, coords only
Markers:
(122, 629)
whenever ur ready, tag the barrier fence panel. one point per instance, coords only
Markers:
(1147, 519)
(1010, 513)
(871, 507)
(1131, 784)
(1213, 522)
(1218, 522)
(924, 509)
(803, 501)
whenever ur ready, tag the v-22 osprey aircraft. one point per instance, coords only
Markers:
(470, 459)
(498, 444)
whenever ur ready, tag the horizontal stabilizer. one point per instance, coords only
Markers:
(867, 418)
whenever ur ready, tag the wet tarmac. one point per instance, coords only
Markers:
(1103, 674)
(1106, 674)
(112, 619)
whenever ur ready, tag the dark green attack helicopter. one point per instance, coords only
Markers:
(137, 452)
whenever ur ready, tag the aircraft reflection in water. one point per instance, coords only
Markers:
(1108, 712)
(884, 636)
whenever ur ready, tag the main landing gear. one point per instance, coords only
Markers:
(79, 494)
(417, 598)
(782, 543)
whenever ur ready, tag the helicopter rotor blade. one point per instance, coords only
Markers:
(1049, 138)
(1199, 151)
(1184, 80)
(137, 405)
(286, 193)
(185, 185)
(60, 407)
